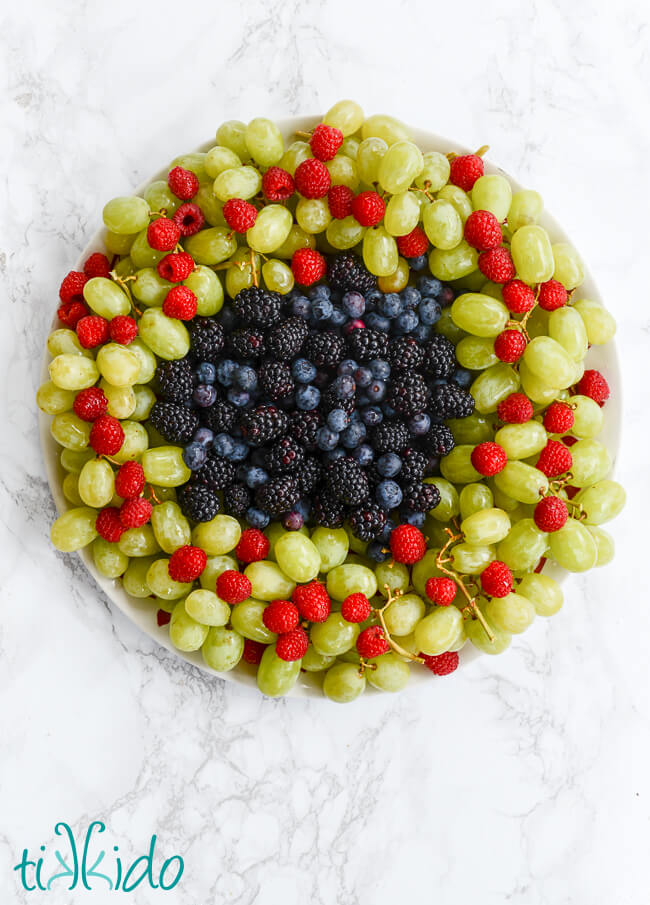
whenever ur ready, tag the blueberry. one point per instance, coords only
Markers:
(334, 454)
(223, 445)
(338, 420)
(372, 415)
(418, 263)
(374, 296)
(446, 296)
(389, 527)
(355, 416)
(204, 436)
(363, 377)
(407, 321)
(320, 292)
(462, 377)
(411, 297)
(348, 366)
(338, 317)
(354, 304)
(389, 465)
(344, 386)
(326, 438)
(362, 399)
(228, 319)
(322, 309)
(307, 398)
(377, 322)
(420, 424)
(388, 494)
(422, 333)
(364, 454)
(240, 398)
(388, 410)
(256, 518)
(204, 395)
(292, 521)
(303, 371)
(353, 435)
(380, 369)
(390, 305)
(239, 452)
(376, 391)
(376, 551)
(226, 371)
(206, 372)
(301, 307)
(430, 286)
(414, 518)
(255, 477)
(429, 311)
(246, 378)
(303, 506)
(195, 455)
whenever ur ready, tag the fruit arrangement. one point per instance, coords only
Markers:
(325, 406)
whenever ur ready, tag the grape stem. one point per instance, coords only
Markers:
(392, 597)
(302, 134)
(123, 283)
(441, 562)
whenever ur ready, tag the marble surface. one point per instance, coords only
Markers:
(521, 780)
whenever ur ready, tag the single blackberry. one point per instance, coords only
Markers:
(414, 466)
(408, 394)
(328, 511)
(175, 380)
(198, 502)
(367, 522)
(330, 400)
(278, 495)
(365, 344)
(448, 400)
(236, 500)
(276, 380)
(439, 357)
(347, 481)
(221, 417)
(309, 475)
(390, 436)
(258, 306)
(175, 422)
(247, 342)
(217, 472)
(326, 349)
(285, 455)
(207, 339)
(263, 423)
(405, 354)
(286, 340)
(439, 441)
(420, 497)
(304, 426)
(347, 273)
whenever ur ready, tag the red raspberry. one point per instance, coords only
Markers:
(441, 664)
(558, 418)
(313, 601)
(515, 409)
(176, 267)
(239, 215)
(163, 234)
(355, 608)
(90, 404)
(253, 546)
(554, 459)
(187, 563)
(189, 219)
(277, 184)
(441, 591)
(482, 230)
(519, 297)
(496, 579)
(489, 458)
(339, 199)
(70, 313)
(233, 586)
(108, 524)
(93, 331)
(163, 618)
(292, 645)
(550, 514)
(97, 265)
(372, 642)
(135, 513)
(569, 441)
(465, 170)
(308, 266)
(509, 346)
(280, 616)
(407, 544)
(183, 183)
(106, 436)
(325, 141)
(368, 208)
(593, 384)
(180, 302)
(496, 265)
(552, 295)
(413, 244)
(72, 287)
(312, 178)
(253, 651)
(123, 329)
(129, 480)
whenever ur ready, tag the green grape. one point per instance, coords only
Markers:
(74, 460)
(457, 465)
(170, 527)
(380, 253)
(163, 585)
(238, 182)
(601, 502)
(166, 337)
(216, 244)
(268, 581)
(276, 677)
(399, 166)
(294, 156)
(351, 579)
(449, 505)
(121, 400)
(232, 135)
(437, 632)
(277, 276)
(573, 547)
(223, 648)
(492, 193)
(211, 206)
(442, 224)
(470, 559)
(313, 214)
(403, 614)
(136, 441)
(476, 353)
(535, 388)
(478, 637)
(109, 559)
(461, 639)
(487, 526)
(386, 127)
(106, 298)
(356, 544)
(423, 570)
(159, 197)
(247, 620)
(66, 342)
(241, 277)
(149, 287)
(456, 196)
(205, 607)
(569, 269)
(343, 171)
(512, 613)
(74, 529)
(369, 156)
(298, 557)
(344, 234)
(119, 245)
(70, 488)
(125, 268)
(476, 428)
(70, 431)
(118, 365)
(344, 682)
(218, 536)
(435, 172)
(335, 636)
(522, 482)
(332, 545)
(591, 461)
(271, 229)
(548, 361)
(544, 593)
(501, 499)
(206, 286)
(125, 216)
(194, 161)
(296, 239)
(493, 289)
(142, 254)
(599, 323)
(471, 282)
(402, 214)
(165, 466)
(391, 577)
(139, 542)
(315, 662)
(604, 544)
(492, 386)
(214, 567)
(274, 532)
(219, 159)
(480, 315)
(397, 280)
(96, 483)
(350, 147)
(521, 441)
(146, 359)
(448, 328)
(134, 579)
(409, 644)
(346, 116)
(475, 498)
(532, 254)
(454, 263)
(567, 328)
(525, 209)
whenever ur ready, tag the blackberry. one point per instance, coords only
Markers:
(347, 481)
(347, 273)
(326, 349)
(365, 344)
(374, 478)
(207, 339)
(198, 502)
(405, 354)
(236, 500)
(439, 441)
(328, 511)
(368, 522)
(247, 342)
(175, 380)
(439, 357)
(408, 394)
(285, 455)
(420, 497)
(276, 380)
(258, 306)
(263, 423)
(304, 426)
(414, 466)
(221, 417)
(217, 472)
(278, 495)
(448, 400)
(174, 422)
(309, 475)
(286, 340)
(390, 436)
(330, 400)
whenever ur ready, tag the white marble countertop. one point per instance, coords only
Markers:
(522, 780)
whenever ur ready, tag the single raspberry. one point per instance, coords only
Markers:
(277, 184)
(552, 295)
(355, 608)
(339, 199)
(489, 458)
(123, 329)
(233, 586)
(515, 409)
(253, 546)
(176, 267)
(407, 544)
(325, 141)
(90, 404)
(189, 219)
(496, 579)
(496, 265)
(129, 480)
(72, 287)
(372, 642)
(308, 266)
(135, 513)
(509, 346)
(292, 645)
(180, 302)
(312, 178)
(253, 651)
(281, 616)
(482, 230)
(550, 514)
(593, 384)
(70, 313)
(106, 436)
(518, 296)
(368, 208)
(163, 618)
(183, 183)
(413, 244)
(187, 563)
(97, 265)
(108, 524)
(558, 418)
(93, 331)
(441, 664)
(465, 170)
(239, 215)
(313, 601)
(555, 459)
(163, 234)
(441, 591)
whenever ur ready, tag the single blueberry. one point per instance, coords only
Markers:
(429, 311)
(348, 366)
(256, 476)
(388, 410)
(354, 304)
(362, 399)
(246, 378)
(377, 322)
(322, 309)
(446, 296)
(338, 420)
(204, 436)
(319, 292)
(430, 286)
(388, 494)
(419, 424)
(389, 465)
(303, 506)
(462, 377)
(256, 518)
(418, 263)
(338, 317)
(223, 445)
(389, 527)
(364, 454)
(374, 296)
(195, 455)
(422, 333)
(377, 552)
(303, 371)
(206, 372)
(226, 371)
(410, 297)
(301, 307)
(353, 435)
(390, 305)
(239, 452)
(363, 377)
(307, 398)
(335, 454)
(407, 321)
(204, 395)
(376, 391)
(326, 438)
(372, 415)
(240, 398)
(414, 518)
(380, 369)
(344, 386)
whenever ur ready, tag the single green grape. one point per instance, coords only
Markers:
(604, 544)
(525, 209)
(524, 546)
(170, 527)
(532, 254)
(134, 580)
(335, 636)
(568, 269)
(479, 315)
(149, 287)
(163, 585)
(536, 389)
(222, 648)
(121, 400)
(587, 417)
(216, 244)
(449, 505)
(74, 529)
(573, 547)
(485, 527)
(476, 353)
(454, 195)
(397, 280)
(127, 215)
(277, 276)
(218, 536)
(442, 224)
(214, 568)
(346, 116)
(351, 579)
(436, 632)
(521, 441)
(567, 328)
(211, 206)
(343, 683)
(205, 607)
(268, 581)
(388, 673)
(402, 214)
(457, 466)
(543, 592)
(313, 214)
(271, 229)
(391, 577)
(70, 431)
(118, 365)
(475, 497)
(294, 156)
(476, 428)
(344, 234)
(165, 466)
(399, 166)
(343, 171)
(73, 460)
(549, 361)
(242, 276)
(435, 172)
(264, 141)
(492, 193)
(599, 323)
(315, 662)
(136, 441)
(276, 677)
(448, 328)
(66, 342)
(194, 161)
(386, 127)
(139, 542)
(522, 482)
(478, 636)
(591, 461)
(513, 613)
(73, 372)
(232, 135)
(219, 159)
(298, 557)
(332, 545)
(109, 559)
(247, 620)
(158, 196)
(601, 502)
(96, 483)
(380, 253)
(471, 559)
(142, 254)
(207, 287)
(166, 337)
(453, 263)
(237, 182)
(403, 614)
(70, 488)
(296, 239)
(369, 156)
